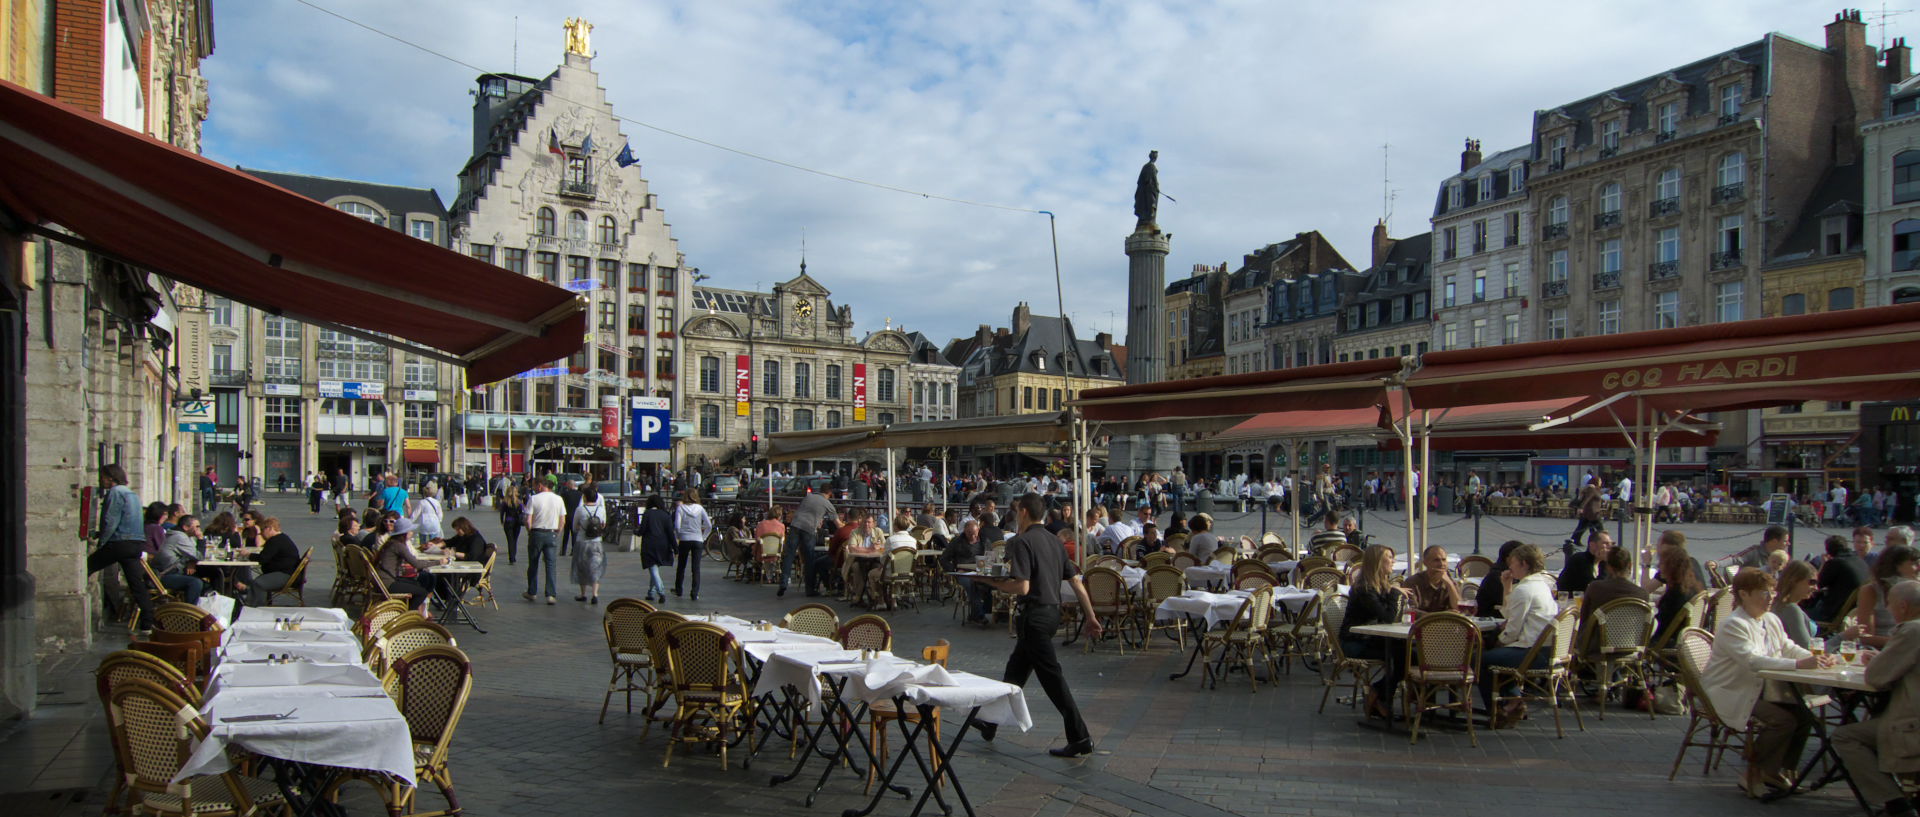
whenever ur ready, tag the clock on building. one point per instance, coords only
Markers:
(803, 308)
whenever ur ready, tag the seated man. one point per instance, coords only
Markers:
(1434, 590)
(1583, 567)
(1876, 749)
(1616, 584)
(176, 560)
(1329, 536)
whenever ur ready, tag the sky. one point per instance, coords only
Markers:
(1270, 117)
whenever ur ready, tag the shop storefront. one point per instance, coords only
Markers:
(562, 456)
(1890, 454)
(421, 454)
(503, 443)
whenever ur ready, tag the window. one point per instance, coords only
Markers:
(663, 320)
(665, 278)
(514, 260)
(886, 418)
(637, 276)
(1557, 210)
(544, 222)
(1510, 329)
(1419, 304)
(636, 318)
(579, 268)
(424, 229)
(770, 420)
(1666, 310)
(833, 381)
(1730, 234)
(770, 378)
(1610, 256)
(548, 266)
(710, 422)
(946, 394)
(833, 418)
(1841, 298)
(1026, 397)
(1666, 245)
(419, 372)
(1513, 228)
(607, 316)
(282, 348)
(420, 420)
(710, 374)
(221, 310)
(283, 415)
(1610, 135)
(576, 397)
(609, 231)
(1479, 285)
(1399, 310)
(802, 383)
(1449, 336)
(1353, 318)
(606, 361)
(1480, 235)
(1906, 176)
(1733, 169)
(1486, 188)
(1557, 152)
(1668, 118)
(365, 212)
(576, 225)
(802, 419)
(886, 386)
(1449, 242)
(1477, 332)
(1607, 317)
(349, 358)
(1793, 303)
(481, 252)
(1556, 324)
(663, 362)
(1732, 95)
(1906, 244)
(1557, 265)
(579, 176)
(1447, 292)
(351, 408)
(1453, 196)
(1516, 178)
(1512, 288)
(1728, 300)
(1610, 199)
(1668, 185)
(607, 273)
(1056, 392)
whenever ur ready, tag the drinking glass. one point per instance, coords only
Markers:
(1849, 652)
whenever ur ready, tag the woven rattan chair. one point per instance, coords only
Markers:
(767, 567)
(354, 591)
(1154, 558)
(1323, 580)
(633, 666)
(1225, 554)
(186, 658)
(482, 588)
(898, 581)
(712, 701)
(433, 684)
(1663, 652)
(1273, 553)
(131, 665)
(1242, 567)
(375, 619)
(1696, 646)
(156, 730)
(401, 642)
(1721, 604)
(1184, 560)
(155, 590)
(1475, 567)
(1243, 642)
(1838, 623)
(884, 712)
(296, 587)
(1302, 639)
(657, 624)
(1163, 582)
(1253, 580)
(1132, 543)
(813, 619)
(1360, 671)
(1342, 554)
(867, 632)
(1613, 647)
(1551, 678)
(1716, 578)
(1106, 560)
(1309, 564)
(180, 617)
(1443, 653)
(375, 639)
(1112, 603)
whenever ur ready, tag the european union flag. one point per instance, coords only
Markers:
(626, 156)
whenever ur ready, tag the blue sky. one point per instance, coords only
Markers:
(1269, 117)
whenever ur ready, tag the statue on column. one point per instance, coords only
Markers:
(1146, 194)
(577, 31)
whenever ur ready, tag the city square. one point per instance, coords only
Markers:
(373, 376)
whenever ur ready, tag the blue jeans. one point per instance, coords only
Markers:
(541, 547)
(655, 587)
(799, 546)
(1503, 657)
(190, 588)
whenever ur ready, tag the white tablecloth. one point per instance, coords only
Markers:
(1210, 574)
(801, 669)
(313, 616)
(1130, 576)
(233, 674)
(324, 652)
(999, 702)
(220, 606)
(347, 732)
(1216, 608)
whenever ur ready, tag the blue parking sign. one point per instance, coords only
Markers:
(652, 424)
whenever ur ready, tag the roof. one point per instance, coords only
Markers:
(158, 207)
(1500, 165)
(392, 198)
(1693, 75)
(1050, 338)
(1840, 193)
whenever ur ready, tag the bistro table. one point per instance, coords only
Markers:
(925, 688)
(453, 603)
(818, 679)
(230, 563)
(1211, 575)
(1843, 680)
(1400, 630)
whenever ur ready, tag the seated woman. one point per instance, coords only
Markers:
(403, 570)
(468, 543)
(1896, 564)
(1529, 610)
(1681, 584)
(1375, 599)
(1795, 585)
(1746, 642)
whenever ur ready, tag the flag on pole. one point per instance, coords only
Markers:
(587, 146)
(553, 142)
(626, 156)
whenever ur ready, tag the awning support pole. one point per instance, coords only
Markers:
(1426, 482)
(888, 483)
(1404, 430)
(1293, 494)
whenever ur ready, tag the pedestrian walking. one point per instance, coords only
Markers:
(570, 496)
(512, 518)
(802, 537)
(691, 527)
(1036, 564)
(427, 513)
(545, 514)
(209, 489)
(589, 557)
(122, 537)
(1587, 508)
(315, 487)
(656, 545)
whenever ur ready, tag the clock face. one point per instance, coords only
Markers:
(803, 308)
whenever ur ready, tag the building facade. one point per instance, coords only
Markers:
(1034, 364)
(791, 360)
(552, 191)
(1247, 304)
(1891, 192)
(1482, 256)
(1388, 315)
(1196, 314)
(1303, 316)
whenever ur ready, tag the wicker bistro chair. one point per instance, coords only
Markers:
(1178, 541)
(633, 666)
(1549, 681)
(1112, 603)
(656, 625)
(155, 730)
(1273, 553)
(1475, 567)
(1184, 560)
(1253, 580)
(1242, 642)
(402, 642)
(885, 712)
(767, 567)
(130, 665)
(1333, 611)
(1696, 646)
(1838, 623)
(430, 687)
(1663, 653)
(375, 619)
(1721, 604)
(711, 698)
(353, 580)
(186, 657)
(1311, 563)
(1342, 554)
(1242, 567)
(180, 617)
(1613, 646)
(1302, 638)
(1153, 558)
(296, 587)
(867, 632)
(1132, 543)
(1161, 583)
(899, 581)
(1226, 554)
(813, 619)
(1443, 653)
(482, 588)
(1323, 580)
(1106, 560)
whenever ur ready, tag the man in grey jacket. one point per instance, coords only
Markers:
(802, 537)
(1876, 749)
(122, 537)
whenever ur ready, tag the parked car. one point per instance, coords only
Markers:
(786, 487)
(724, 487)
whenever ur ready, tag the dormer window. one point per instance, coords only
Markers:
(1668, 119)
(1732, 96)
(1453, 196)
(1040, 361)
(1557, 151)
(1610, 136)
(1486, 188)
(1517, 177)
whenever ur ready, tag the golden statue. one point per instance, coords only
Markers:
(577, 31)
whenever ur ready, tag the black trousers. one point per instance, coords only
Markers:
(800, 544)
(1033, 655)
(1580, 530)
(126, 554)
(688, 553)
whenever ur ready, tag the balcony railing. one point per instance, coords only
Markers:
(1729, 192)
(1663, 270)
(1729, 118)
(1610, 218)
(1553, 289)
(1553, 231)
(227, 377)
(1663, 207)
(1664, 136)
(1557, 165)
(1606, 280)
(1609, 152)
(1448, 253)
(1725, 260)
(577, 189)
(1479, 247)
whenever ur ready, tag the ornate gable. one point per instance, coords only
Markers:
(1666, 85)
(1729, 66)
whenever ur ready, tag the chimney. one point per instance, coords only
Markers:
(1899, 61)
(1470, 157)
(1861, 75)
(983, 337)
(1103, 340)
(1022, 319)
(1381, 243)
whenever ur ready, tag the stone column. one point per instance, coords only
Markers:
(1147, 250)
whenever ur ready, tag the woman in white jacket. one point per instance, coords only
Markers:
(691, 527)
(427, 513)
(1746, 642)
(1529, 611)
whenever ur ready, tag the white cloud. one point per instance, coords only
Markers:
(1269, 118)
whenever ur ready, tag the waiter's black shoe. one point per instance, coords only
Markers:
(1074, 749)
(782, 591)
(987, 730)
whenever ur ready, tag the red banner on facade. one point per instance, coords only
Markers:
(859, 392)
(610, 421)
(742, 384)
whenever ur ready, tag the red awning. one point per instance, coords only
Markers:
(421, 455)
(188, 218)
(1307, 425)
(1856, 354)
(1175, 404)
(1505, 425)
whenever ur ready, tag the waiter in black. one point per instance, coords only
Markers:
(1036, 564)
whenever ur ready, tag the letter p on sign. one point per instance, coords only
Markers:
(652, 424)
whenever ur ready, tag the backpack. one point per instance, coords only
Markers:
(594, 526)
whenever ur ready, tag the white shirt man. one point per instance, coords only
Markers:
(545, 511)
(1624, 491)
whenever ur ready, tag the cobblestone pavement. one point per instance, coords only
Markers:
(529, 745)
